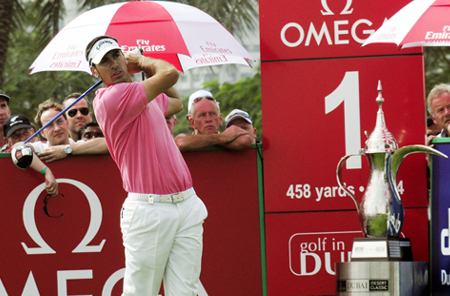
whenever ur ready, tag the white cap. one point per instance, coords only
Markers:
(235, 114)
(100, 48)
(198, 94)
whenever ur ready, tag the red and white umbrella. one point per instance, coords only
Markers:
(181, 34)
(420, 23)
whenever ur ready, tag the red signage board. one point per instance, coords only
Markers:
(319, 88)
(81, 252)
(319, 115)
(302, 248)
(292, 29)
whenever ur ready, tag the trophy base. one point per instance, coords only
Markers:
(381, 249)
(382, 278)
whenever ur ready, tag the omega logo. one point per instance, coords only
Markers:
(336, 32)
(329, 12)
(94, 225)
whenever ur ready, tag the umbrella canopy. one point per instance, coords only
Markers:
(181, 34)
(420, 23)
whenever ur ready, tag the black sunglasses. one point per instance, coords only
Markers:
(73, 112)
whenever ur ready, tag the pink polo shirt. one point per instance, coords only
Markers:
(139, 140)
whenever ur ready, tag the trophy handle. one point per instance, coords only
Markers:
(338, 177)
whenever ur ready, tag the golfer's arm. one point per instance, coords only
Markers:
(94, 146)
(175, 104)
(161, 76)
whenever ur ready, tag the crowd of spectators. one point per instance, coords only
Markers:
(68, 134)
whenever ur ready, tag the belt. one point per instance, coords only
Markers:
(165, 198)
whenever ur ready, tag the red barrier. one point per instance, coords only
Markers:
(81, 252)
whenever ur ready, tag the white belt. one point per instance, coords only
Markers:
(166, 198)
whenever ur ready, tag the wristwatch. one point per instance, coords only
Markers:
(68, 149)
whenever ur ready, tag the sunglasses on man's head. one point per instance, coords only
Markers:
(199, 99)
(73, 112)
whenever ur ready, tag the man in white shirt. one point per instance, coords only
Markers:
(59, 145)
(57, 133)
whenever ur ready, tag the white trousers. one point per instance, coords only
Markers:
(162, 241)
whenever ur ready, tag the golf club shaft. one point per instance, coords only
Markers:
(67, 108)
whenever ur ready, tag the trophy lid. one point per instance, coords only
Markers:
(380, 140)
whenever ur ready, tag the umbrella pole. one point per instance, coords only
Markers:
(67, 108)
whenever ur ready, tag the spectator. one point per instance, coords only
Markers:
(205, 119)
(90, 131)
(243, 120)
(5, 112)
(78, 115)
(57, 133)
(171, 122)
(16, 128)
(59, 145)
(162, 217)
(438, 102)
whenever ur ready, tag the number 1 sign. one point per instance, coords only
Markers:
(348, 92)
(316, 122)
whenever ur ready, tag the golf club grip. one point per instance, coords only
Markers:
(65, 109)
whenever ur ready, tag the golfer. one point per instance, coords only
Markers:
(162, 217)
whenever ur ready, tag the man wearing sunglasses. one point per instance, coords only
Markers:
(78, 115)
(205, 119)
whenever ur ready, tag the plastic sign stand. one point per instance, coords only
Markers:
(440, 220)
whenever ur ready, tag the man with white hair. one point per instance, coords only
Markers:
(205, 119)
(438, 102)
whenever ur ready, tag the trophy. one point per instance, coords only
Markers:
(380, 211)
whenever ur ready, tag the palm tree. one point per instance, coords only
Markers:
(42, 21)
(235, 15)
(437, 66)
(10, 15)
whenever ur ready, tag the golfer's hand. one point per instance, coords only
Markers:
(50, 183)
(134, 62)
(53, 153)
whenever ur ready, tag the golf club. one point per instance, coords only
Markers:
(65, 109)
